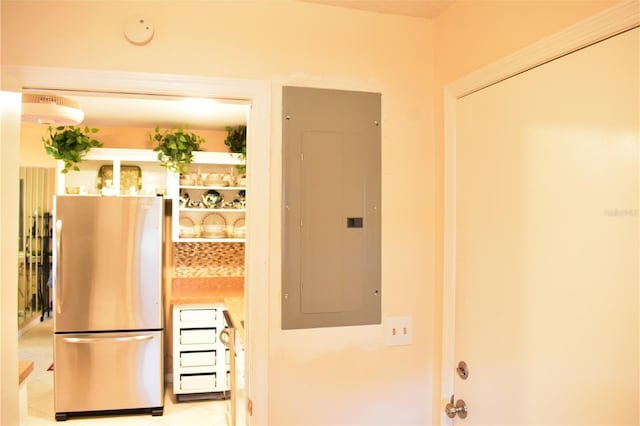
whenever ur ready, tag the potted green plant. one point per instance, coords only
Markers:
(70, 144)
(237, 142)
(175, 147)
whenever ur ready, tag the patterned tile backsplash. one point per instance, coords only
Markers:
(208, 260)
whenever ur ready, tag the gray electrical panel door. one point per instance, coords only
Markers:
(331, 197)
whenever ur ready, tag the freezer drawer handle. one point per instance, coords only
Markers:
(108, 339)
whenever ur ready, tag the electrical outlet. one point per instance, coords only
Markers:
(398, 331)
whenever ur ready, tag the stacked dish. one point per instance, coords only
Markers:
(188, 229)
(214, 226)
(239, 229)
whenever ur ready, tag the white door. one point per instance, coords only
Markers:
(547, 243)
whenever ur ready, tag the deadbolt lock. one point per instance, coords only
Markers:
(463, 370)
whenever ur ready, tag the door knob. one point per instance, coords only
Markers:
(459, 408)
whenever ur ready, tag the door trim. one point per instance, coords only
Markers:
(608, 23)
(258, 258)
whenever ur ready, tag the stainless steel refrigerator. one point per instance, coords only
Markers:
(108, 316)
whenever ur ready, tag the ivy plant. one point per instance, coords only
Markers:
(237, 142)
(175, 147)
(70, 144)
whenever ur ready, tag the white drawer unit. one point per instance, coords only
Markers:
(198, 382)
(195, 336)
(203, 316)
(200, 360)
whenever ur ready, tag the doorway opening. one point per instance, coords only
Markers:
(254, 95)
(34, 243)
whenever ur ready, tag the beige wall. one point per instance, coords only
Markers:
(32, 153)
(347, 369)
(469, 36)
(336, 375)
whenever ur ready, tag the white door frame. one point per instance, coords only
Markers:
(614, 20)
(258, 94)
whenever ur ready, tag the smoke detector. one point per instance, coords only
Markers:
(53, 110)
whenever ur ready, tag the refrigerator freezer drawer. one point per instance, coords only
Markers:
(108, 371)
(197, 336)
(198, 315)
(197, 382)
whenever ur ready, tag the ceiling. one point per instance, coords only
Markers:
(127, 110)
(196, 114)
(429, 9)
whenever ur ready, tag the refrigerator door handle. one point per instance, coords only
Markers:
(57, 284)
(108, 339)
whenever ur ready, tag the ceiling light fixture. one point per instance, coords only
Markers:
(53, 110)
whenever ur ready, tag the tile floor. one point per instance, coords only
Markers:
(36, 345)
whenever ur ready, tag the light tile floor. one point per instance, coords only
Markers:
(36, 345)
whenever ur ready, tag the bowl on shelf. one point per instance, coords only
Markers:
(214, 231)
(216, 179)
(74, 190)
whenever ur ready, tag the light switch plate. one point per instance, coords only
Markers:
(398, 331)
